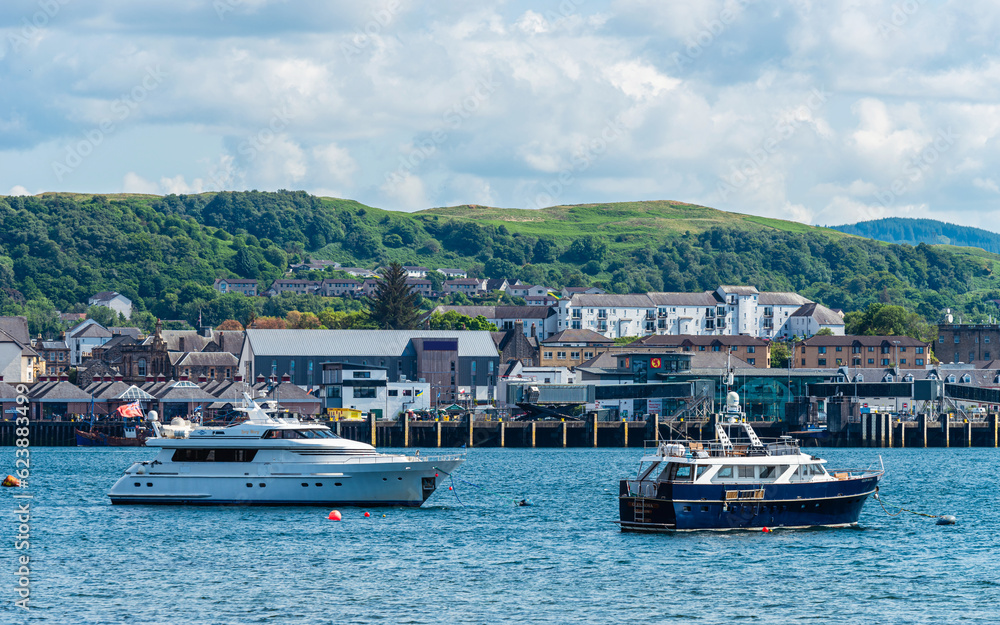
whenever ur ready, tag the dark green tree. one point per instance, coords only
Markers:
(394, 306)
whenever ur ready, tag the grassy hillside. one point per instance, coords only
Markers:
(931, 231)
(164, 252)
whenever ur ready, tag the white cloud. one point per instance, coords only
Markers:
(134, 183)
(331, 96)
(18, 190)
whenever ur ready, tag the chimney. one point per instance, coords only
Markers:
(237, 378)
(286, 378)
(96, 378)
(202, 379)
(161, 378)
(260, 378)
(184, 378)
(533, 328)
(64, 378)
(180, 344)
(119, 378)
(106, 378)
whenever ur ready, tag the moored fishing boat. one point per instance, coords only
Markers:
(274, 461)
(739, 481)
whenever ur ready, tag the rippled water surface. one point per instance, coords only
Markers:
(478, 558)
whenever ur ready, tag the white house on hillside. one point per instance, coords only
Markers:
(113, 300)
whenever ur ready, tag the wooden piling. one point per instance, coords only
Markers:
(625, 433)
(946, 427)
(565, 426)
(438, 424)
(503, 433)
(593, 425)
(968, 433)
(471, 426)
(864, 429)
(338, 428)
(532, 434)
(991, 436)
(371, 425)
(922, 424)
(902, 434)
(888, 430)
(406, 430)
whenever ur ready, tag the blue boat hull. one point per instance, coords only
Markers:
(686, 507)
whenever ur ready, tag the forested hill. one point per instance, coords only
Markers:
(916, 231)
(164, 253)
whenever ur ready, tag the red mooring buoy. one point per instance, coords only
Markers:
(367, 515)
(335, 515)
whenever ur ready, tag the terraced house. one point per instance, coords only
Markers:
(832, 352)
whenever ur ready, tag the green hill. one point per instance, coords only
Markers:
(58, 249)
(916, 231)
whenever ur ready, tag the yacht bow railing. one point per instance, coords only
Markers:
(716, 449)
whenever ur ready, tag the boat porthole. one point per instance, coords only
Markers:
(319, 483)
(803, 506)
(262, 484)
(150, 484)
(687, 508)
(400, 479)
(337, 484)
(305, 483)
(138, 484)
(249, 485)
(385, 479)
(704, 508)
(817, 505)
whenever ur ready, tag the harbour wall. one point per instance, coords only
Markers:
(873, 430)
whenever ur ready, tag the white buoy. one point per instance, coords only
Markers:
(946, 520)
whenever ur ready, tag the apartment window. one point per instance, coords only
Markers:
(751, 349)
(577, 324)
(588, 355)
(856, 362)
(972, 356)
(561, 355)
(140, 368)
(920, 350)
(803, 362)
(822, 362)
(393, 392)
(920, 361)
(902, 361)
(855, 350)
(871, 348)
(362, 375)
(941, 339)
(547, 355)
(716, 348)
(574, 355)
(840, 361)
(839, 348)
(885, 362)
(751, 361)
(986, 356)
(365, 392)
(452, 365)
(701, 348)
(803, 349)
(956, 338)
(871, 361)
(822, 350)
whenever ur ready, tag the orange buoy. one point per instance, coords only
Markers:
(450, 488)
(766, 530)
(10, 480)
(367, 515)
(335, 515)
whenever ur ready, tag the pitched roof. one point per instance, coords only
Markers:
(781, 298)
(17, 328)
(609, 300)
(705, 298)
(94, 330)
(577, 336)
(361, 342)
(499, 312)
(206, 359)
(861, 339)
(822, 314)
(679, 340)
(739, 290)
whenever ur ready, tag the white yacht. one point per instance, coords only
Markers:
(274, 461)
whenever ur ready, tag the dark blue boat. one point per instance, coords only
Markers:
(739, 481)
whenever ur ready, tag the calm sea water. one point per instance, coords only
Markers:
(481, 559)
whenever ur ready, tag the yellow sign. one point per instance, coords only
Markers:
(655, 363)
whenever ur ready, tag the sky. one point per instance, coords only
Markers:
(823, 112)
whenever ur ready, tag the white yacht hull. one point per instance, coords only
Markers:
(376, 481)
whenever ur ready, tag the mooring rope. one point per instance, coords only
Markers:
(524, 501)
(902, 509)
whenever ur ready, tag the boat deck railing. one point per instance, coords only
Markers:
(715, 449)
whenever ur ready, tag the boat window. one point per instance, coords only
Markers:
(681, 473)
(725, 471)
(272, 434)
(309, 434)
(290, 434)
(767, 472)
(214, 455)
(701, 470)
(816, 469)
(747, 471)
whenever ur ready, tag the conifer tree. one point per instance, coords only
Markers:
(393, 306)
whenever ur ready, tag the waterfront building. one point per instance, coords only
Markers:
(754, 351)
(368, 389)
(533, 320)
(458, 365)
(832, 352)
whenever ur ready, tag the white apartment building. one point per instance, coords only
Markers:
(729, 310)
